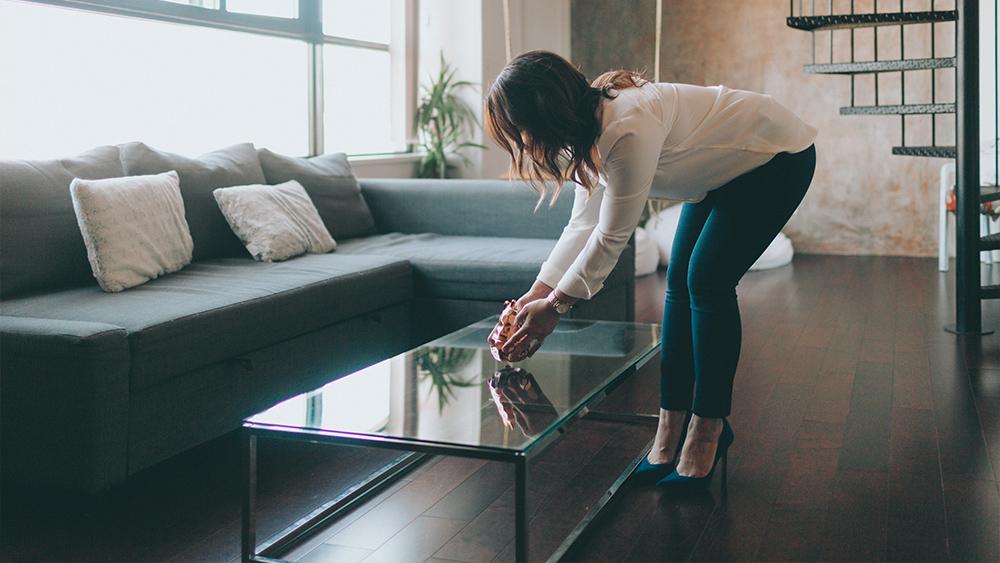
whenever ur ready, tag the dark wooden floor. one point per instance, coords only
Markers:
(863, 432)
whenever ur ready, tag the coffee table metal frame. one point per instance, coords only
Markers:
(415, 451)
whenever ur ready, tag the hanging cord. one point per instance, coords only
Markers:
(658, 41)
(654, 207)
(506, 27)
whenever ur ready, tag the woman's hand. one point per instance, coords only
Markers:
(539, 290)
(534, 322)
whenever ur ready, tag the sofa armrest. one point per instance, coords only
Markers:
(464, 207)
(64, 394)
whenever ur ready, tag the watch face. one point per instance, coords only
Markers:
(562, 308)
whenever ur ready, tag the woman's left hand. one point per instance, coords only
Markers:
(535, 321)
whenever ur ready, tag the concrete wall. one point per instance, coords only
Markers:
(863, 199)
(613, 34)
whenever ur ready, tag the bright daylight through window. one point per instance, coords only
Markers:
(72, 79)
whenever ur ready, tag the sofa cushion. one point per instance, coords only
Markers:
(275, 222)
(42, 246)
(133, 227)
(330, 183)
(222, 308)
(236, 165)
(465, 267)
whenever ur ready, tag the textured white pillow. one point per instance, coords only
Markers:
(133, 227)
(274, 222)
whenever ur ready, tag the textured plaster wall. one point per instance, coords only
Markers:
(863, 200)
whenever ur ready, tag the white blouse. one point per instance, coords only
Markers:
(664, 140)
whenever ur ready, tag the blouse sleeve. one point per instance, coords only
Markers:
(629, 166)
(583, 219)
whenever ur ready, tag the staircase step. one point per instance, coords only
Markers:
(990, 242)
(989, 292)
(930, 151)
(988, 192)
(866, 67)
(907, 109)
(847, 21)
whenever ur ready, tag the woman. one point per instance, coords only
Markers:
(740, 161)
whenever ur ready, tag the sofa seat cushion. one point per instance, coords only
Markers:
(465, 267)
(218, 309)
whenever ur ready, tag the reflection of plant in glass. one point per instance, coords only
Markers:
(442, 121)
(439, 364)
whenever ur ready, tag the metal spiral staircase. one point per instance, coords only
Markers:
(969, 194)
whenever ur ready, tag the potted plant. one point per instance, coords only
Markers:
(443, 122)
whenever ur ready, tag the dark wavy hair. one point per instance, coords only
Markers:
(542, 111)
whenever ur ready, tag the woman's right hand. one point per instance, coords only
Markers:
(539, 290)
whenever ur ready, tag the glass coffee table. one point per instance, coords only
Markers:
(450, 397)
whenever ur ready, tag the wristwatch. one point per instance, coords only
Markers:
(559, 305)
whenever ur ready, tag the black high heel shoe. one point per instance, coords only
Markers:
(647, 472)
(677, 483)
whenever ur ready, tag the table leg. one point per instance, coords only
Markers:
(521, 508)
(248, 545)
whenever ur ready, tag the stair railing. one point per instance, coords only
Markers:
(969, 197)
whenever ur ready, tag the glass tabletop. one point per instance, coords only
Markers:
(452, 391)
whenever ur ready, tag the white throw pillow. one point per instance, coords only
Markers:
(133, 227)
(275, 222)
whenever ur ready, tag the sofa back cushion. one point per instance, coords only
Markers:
(236, 165)
(40, 244)
(465, 207)
(331, 185)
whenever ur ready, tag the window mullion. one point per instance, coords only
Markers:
(316, 136)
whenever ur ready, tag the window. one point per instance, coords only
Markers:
(191, 76)
(368, 21)
(76, 80)
(358, 84)
(362, 102)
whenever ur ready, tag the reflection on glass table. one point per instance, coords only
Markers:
(439, 392)
(520, 400)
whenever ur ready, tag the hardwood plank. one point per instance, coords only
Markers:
(810, 473)
(674, 529)
(855, 525)
(334, 554)
(989, 414)
(793, 534)
(866, 433)
(973, 523)
(911, 380)
(963, 449)
(467, 500)
(418, 540)
(393, 514)
(483, 538)
(916, 523)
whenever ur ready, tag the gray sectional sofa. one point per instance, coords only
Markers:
(96, 386)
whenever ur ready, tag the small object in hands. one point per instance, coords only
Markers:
(507, 376)
(503, 331)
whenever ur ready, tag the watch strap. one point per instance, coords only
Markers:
(559, 305)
